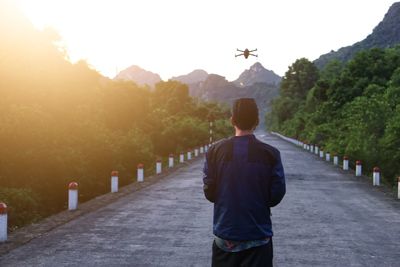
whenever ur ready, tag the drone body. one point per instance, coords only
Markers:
(246, 53)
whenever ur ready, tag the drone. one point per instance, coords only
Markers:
(246, 53)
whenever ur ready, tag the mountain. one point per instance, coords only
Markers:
(256, 82)
(139, 76)
(257, 74)
(193, 77)
(386, 34)
(217, 88)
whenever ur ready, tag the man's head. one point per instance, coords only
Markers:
(245, 114)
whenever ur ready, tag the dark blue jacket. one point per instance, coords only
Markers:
(243, 177)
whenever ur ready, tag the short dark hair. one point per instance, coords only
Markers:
(245, 113)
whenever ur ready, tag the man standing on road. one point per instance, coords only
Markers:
(244, 178)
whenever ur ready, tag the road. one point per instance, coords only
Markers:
(327, 218)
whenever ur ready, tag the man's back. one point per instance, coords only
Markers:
(243, 177)
(248, 179)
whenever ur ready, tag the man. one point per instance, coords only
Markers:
(244, 178)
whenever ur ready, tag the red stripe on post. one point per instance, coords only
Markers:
(114, 173)
(376, 169)
(345, 158)
(358, 162)
(3, 208)
(73, 186)
(140, 166)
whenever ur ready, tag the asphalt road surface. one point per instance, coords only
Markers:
(327, 218)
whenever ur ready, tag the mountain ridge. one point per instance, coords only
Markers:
(138, 75)
(257, 74)
(385, 34)
(195, 76)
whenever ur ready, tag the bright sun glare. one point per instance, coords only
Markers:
(38, 11)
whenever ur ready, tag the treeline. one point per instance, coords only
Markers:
(63, 122)
(349, 108)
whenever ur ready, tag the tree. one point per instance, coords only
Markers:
(296, 83)
(299, 79)
(171, 95)
(351, 109)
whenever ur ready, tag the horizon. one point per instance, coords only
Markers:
(110, 45)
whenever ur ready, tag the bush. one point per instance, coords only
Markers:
(23, 206)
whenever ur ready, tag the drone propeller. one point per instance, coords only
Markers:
(253, 50)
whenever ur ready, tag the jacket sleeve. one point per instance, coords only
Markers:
(209, 182)
(278, 185)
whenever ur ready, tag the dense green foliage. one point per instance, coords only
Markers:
(352, 109)
(24, 205)
(63, 122)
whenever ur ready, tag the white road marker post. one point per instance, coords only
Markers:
(398, 187)
(201, 150)
(321, 153)
(158, 166)
(358, 168)
(345, 163)
(196, 152)
(3, 222)
(140, 172)
(312, 148)
(206, 148)
(114, 182)
(171, 160)
(189, 155)
(376, 176)
(328, 156)
(181, 157)
(73, 196)
(316, 150)
(335, 159)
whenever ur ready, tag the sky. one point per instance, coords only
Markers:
(175, 37)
